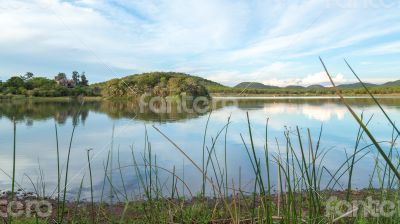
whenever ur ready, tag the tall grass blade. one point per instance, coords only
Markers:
(13, 167)
(58, 174)
(372, 96)
(91, 185)
(66, 174)
(378, 147)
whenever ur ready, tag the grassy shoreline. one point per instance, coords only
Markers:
(192, 210)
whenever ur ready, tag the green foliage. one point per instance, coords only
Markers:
(84, 81)
(157, 84)
(75, 76)
(15, 82)
(40, 82)
(31, 86)
(27, 76)
(60, 76)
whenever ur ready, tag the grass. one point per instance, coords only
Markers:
(303, 193)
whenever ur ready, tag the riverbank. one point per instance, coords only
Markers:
(52, 99)
(213, 95)
(298, 95)
(245, 208)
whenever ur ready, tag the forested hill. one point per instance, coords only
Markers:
(156, 83)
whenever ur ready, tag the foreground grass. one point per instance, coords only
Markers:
(298, 197)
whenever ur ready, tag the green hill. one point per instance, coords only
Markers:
(315, 87)
(394, 83)
(255, 85)
(158, 84)
(294, 87)
(355, 86)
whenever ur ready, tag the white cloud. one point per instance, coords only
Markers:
(319, 78)
(231, 41)
(274, 69)
(274, 74)
(382, 49)
(323, 113)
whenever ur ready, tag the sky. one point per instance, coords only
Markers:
(276, 42)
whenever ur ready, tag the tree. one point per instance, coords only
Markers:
(75, 77)
(15, 82)
(27, 76)
(40, 82)
(84, 81)
(60, 76)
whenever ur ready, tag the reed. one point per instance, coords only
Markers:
(12, 197)
(58, 174)
(91, 186)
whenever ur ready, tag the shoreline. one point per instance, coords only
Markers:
(307, 97)
(84, 210)
(213, 96)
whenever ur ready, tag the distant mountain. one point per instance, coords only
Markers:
(394, 83)
(355, 86)
(255, 85)
(316, 87)
(295, 87)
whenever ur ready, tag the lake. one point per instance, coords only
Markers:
(118, 127)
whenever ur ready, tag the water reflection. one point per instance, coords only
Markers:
(36, 137)
(29, 111)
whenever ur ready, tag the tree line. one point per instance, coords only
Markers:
(30, 85)
(218, 90)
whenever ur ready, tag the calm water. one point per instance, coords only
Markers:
(36, 142)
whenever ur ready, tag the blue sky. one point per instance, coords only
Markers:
(275, 42)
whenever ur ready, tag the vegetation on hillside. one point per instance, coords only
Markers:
(156, 84)
(29, 85)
